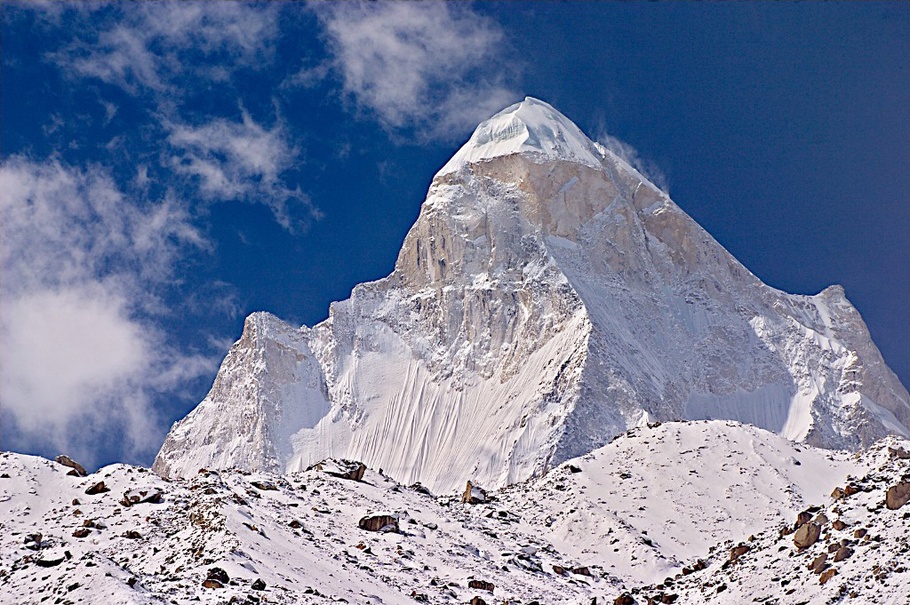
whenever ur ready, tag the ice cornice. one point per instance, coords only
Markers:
(531, 127)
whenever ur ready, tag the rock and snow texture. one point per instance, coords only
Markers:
(547, 299)
(620, 519)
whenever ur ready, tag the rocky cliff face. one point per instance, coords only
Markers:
(547, 298)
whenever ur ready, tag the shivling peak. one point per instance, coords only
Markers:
(547, 299)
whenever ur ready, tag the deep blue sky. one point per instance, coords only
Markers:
(192, 163)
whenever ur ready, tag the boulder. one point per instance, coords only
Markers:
(860, 532)
(210, 583)
(838, 493)
(738, 551)
(481, 585)
(258, 584)
(383, 523)
(803, 518)
(473, 494)
(624, 599)
(899, 453)
(33, 541)
(216, 573)
(264, 486)
(136, 496)
(819, 563)
(897, 495)
(827, 575)
(851, 489)
(82, 532)
(344, 469)
(67, 461)
(478, 601)
(821, 519)
(842, 553)
(806, 535)
(838, 525)
(97, 488)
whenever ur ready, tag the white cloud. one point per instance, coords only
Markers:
(82, 268)
(242, 161)
(627, 152)
(430, 65)
(145, 48)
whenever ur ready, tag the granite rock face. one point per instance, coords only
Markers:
(547, 299)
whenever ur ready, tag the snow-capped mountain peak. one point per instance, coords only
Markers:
(547, 298)
(531, 127)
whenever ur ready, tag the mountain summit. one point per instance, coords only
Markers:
(547, 299)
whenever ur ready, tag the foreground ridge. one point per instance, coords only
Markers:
(640, 517)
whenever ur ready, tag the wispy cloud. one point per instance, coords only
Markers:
(431, 66)
(147, 44)
(83, 266)
(242, 161)
(648, 168)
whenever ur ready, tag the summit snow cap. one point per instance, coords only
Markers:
(533, 128)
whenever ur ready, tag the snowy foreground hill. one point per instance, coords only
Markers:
(547, 299)
(681, 512)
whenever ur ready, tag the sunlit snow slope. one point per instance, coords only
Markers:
(547, 298)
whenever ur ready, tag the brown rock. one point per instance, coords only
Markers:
(842, 553)
(838, 493)
(355, 471)
(559, 569)
(803, 518)
(218, 574)
(738, 551)
(859, 533)
(132, 534)
(97, 488)
(67, 461)
(897, 495)
(264, 485)
(258, 584)
(827, 575)
(819, 563)
(851, 489)
(473, 494)
(806, 535)
(209, 583)
(82, 532)
(899, 452)
(838, 525)
(481, 585)
(50, 560)
(582, 571)
(624, 599)
(379, 523)
(478, 601)
(821, 519)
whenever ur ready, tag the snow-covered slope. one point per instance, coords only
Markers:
(857, 555)
(547, 299)
(657, 497)
(624, 516)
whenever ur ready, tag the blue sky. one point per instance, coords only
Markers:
(168, 168)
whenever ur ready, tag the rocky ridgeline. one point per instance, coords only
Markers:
(854, 546)
(340, 532)
(335, 533)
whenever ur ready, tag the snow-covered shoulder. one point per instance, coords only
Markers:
(531, 127)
